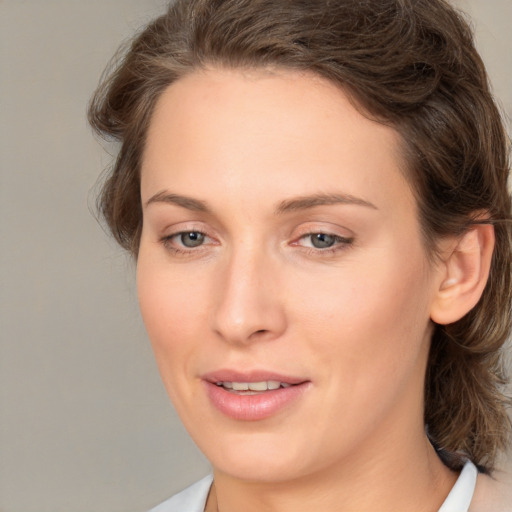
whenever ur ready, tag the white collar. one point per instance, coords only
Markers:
(461, 494)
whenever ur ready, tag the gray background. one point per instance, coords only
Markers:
(85, 424)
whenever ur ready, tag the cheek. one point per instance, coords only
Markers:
(367, 333)
(173, 310)
(372, 318)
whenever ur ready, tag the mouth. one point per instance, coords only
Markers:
(253, 396)
(252, 388)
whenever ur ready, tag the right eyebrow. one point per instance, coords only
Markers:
(184, 201)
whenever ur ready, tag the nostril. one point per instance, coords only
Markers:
(259, 334)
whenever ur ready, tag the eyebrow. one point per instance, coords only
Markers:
(288, 205)
(306, 202)
(185, 202)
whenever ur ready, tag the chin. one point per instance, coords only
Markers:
(258, 458)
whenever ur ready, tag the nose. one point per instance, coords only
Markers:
(248, 305)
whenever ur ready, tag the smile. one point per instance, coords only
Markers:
(253, 396)
(253, 387)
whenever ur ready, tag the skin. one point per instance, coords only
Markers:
(354, 319)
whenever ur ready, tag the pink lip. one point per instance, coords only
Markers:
(252, 407)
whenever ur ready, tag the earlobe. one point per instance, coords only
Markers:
(463, 274)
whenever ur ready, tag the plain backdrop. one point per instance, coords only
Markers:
(85, 424)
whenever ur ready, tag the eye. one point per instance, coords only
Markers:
(185, 241)
(191, 239)
(323, 241)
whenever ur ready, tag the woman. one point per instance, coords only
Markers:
(315, 194)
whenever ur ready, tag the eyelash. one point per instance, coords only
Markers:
(167, 242)
(340, 243)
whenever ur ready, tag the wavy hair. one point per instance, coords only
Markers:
(410, 64)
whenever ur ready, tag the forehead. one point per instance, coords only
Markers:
(246, 96)
(236, 129)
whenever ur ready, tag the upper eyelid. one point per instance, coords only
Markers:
(185, 227)
(331, 229)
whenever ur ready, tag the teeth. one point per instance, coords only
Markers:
(253, 386)
(258, 386)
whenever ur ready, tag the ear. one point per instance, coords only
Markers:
(463, 274)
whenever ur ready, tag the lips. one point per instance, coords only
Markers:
(252, 396)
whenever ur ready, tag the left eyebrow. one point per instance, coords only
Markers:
(306, 202)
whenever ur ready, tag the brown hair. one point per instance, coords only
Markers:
(408, 63)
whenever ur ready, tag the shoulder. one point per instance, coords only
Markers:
(192, 499)
(493, 493)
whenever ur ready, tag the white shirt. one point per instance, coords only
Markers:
(193, 499)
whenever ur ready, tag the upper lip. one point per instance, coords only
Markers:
(227, 375)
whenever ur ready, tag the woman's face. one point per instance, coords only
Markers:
(281, 249)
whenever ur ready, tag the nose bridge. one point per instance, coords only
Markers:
(247, 304)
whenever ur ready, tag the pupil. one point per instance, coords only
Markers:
(321, 240)
(192, 239)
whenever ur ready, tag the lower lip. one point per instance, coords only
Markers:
(253, 407)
